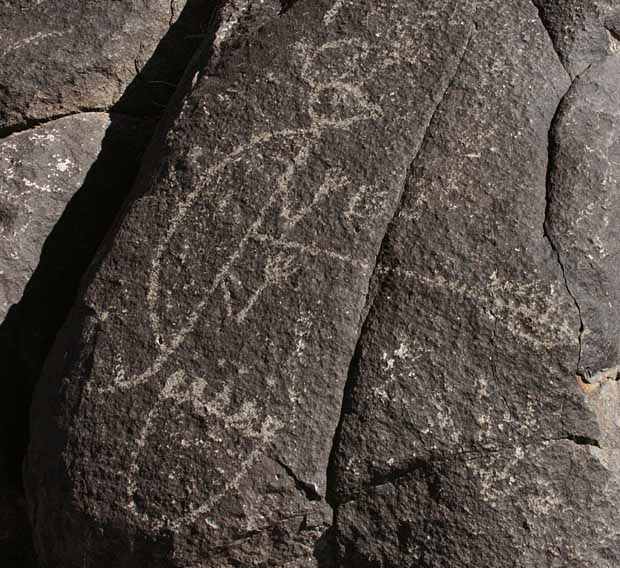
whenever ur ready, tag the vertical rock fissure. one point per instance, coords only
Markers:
(370, 297)
(546, 221)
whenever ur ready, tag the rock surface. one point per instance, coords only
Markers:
(465, 438)
(583, 204)
(56, 59)
(359, 309)
(216, 334)
(68, 56)
(583, 31)
(40, 171)
(61, 185)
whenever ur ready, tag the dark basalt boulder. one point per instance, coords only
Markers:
(61, 185)
(359, 309)
(467, 437)
(187, 414)
(63, 181)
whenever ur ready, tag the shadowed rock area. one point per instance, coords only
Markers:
(62, 183)
(338, 281)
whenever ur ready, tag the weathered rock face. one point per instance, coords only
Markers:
(61, 186)
(583, 31)
(40, 171)
(59, 58)
(583, 203)
(410, 203)
(465, 438)
(216, 335)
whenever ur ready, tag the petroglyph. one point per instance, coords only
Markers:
(529, 313)
(180, 390)
(337, 101)
(332, 13)
(308, 136)
(34, 39)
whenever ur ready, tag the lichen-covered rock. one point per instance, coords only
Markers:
(187, 414)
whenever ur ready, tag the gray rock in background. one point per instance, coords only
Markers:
(40, 171)
(68, 56)
(60, 186)
(583, 31)
(465, 438)
(190, 406)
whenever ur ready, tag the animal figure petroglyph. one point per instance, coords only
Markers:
(337, 101)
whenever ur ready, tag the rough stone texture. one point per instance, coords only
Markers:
(187, 414)
(584, 203)
(63, 57)
(408, 202)
(60, 58)
(465, 438)
(583, 31)
(40, 171)
(60, 186)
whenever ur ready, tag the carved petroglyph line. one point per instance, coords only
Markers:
(330, 184)
(278, 266)
(312, 134)
(219, 407)
(332, 13)
(34, 39)
(311, 250)
(269, 428)
(164, 394)
(278, 269)
(521, 303)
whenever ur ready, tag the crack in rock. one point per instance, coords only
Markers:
(546, 222)
(370, 296)
(430, 465)
(544, 25)
(310, 490)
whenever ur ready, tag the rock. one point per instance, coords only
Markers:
(41, 170)
(128, 54)
(465, 437)
(583, 206)
(60, 187)
(59, 196)
(187, 412)
(583, 31)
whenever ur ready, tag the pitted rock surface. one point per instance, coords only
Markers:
(583, 203)
(583, 31)
(360, 307)
(216, 334)
(465, 437)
